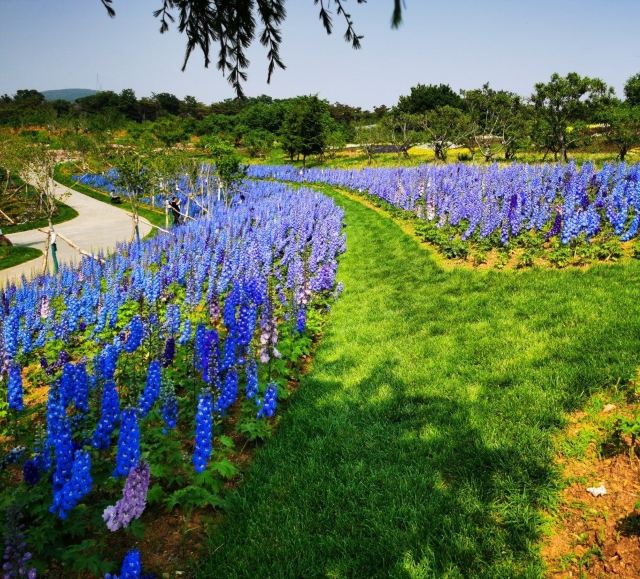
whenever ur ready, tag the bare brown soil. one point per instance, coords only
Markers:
(597, 536)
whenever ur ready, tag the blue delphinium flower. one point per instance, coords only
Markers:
(67, 383)
(169, 410)
(204, 431)
(15, 557)
(301, 320)
(251, 374)
(229, 391)
(10, 329)
(173, 319)
(79, 485)
(268, 408)
(136, 334)
(131, 567)
(128, 453)
(108, 361)
(229, 355)
(14, 388)
(13, 456)
(169, 352)
(81, 387)
(59, 438)
(109, 415)
(185, 336)
(31, 471)
(151, 390)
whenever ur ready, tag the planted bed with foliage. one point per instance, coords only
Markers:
(130, 386)
(558, 214)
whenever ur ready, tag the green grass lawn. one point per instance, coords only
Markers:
(64, 213)
(24, 203)
(15, 255)
(420, 442)
(356, 159)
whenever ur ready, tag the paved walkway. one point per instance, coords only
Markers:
(98, 227)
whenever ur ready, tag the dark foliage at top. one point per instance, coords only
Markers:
(231, 25)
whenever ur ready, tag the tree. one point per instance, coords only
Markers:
(444, 127)
(229, 169)
(38, 165)
(371, 138)
(232, 27)
(425, 98)
(304, 127)
(128, 104)
(258, 142)
(497, 121)
(561, 106)
(622, 127)
(402, 130)
(137, 177)
(167, 103)
(632, 90)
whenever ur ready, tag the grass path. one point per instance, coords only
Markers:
(419, 443)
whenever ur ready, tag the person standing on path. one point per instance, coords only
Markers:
(174, 205)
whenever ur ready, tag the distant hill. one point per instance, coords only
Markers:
(67, 94)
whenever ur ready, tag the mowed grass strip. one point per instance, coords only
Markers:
(419, 443)
(15, 255)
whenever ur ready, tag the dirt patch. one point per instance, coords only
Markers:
(596, 536)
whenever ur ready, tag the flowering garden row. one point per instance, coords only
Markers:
(118, 377)
(558, 213)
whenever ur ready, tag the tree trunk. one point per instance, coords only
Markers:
(622, 153)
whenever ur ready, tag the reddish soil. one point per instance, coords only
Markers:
(597, 536)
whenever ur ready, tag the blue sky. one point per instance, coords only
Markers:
(48, 44)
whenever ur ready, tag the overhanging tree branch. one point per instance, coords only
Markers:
(231, 24)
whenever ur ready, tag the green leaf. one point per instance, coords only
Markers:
(225, 468)
(155, 494)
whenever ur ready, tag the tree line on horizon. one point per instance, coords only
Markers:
(562, 114)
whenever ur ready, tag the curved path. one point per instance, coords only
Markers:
(99, 227)
(419, 443)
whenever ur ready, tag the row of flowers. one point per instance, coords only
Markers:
(561, 201)
(178, 332)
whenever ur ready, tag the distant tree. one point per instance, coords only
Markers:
(170, 130)
(167, 103)
(444, 127)
(100, 102)
(149, 109)
(232, 27)
(562, 105)
(371, 138)
(80, 143)
(380, 111)
(229, 169)
(260, 114)
(402, 130)
(497, 121)
(192, 108)
(423, 98)
(28, 97)
(345, 114)
(304, 127)
(128, 105)
(632, 90)
(258, 142)
(335, 138)
(137, 177)
(622, 126)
